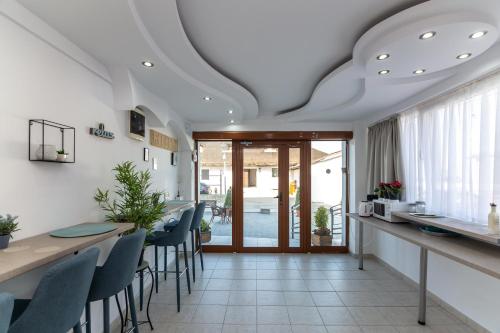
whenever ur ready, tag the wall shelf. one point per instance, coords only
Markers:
(52, 137)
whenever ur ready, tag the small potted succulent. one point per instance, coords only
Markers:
(206, 232)
(8, 226)
(62, 155)
(321, 235)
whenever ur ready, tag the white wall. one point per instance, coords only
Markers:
(38, 81)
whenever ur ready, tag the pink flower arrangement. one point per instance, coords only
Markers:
(391, 190)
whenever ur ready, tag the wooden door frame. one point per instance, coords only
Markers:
(277, 137)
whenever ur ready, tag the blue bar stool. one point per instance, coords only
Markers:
(115, 275)
(195, 230)
(6, 306)
(59, 298)
(175, 237)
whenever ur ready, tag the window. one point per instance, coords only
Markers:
(274, 172)
(205, 174)
(451, 152)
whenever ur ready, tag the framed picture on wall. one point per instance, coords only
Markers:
(173, 158)
(146, 154)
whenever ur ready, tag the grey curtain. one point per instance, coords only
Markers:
(384, 154)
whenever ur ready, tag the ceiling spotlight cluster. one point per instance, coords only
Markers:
(425, 36)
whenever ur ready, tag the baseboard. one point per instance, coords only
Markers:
(471, 323)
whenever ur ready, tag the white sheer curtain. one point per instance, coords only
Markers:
(451, 151)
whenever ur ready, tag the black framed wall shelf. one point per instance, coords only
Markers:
(49, 141)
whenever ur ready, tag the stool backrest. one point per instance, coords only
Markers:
(60, 297)
(179, 234)
(119, 269)
(198, 216)
(6, 306)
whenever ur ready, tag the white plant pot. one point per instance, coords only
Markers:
(62, 157)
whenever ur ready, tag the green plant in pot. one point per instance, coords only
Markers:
(8, 226)
(206, 231)
(62, 155)
(321, 235)
(133, 201)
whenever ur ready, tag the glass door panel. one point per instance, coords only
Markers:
(294, 222)
(260, 197)
(328, 188)
(215, 189)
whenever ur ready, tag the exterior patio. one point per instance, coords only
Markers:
(261, 227)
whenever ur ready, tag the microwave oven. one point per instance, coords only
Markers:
(383, 209)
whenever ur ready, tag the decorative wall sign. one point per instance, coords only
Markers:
(100, 132)
(146, 154)
(161, 140)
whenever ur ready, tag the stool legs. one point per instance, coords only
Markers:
(165, 262)
(177, 282)
(193, 253)
(88, 325)
(186, 265)
(201, 248)
(156, 268)
(106, 323)
(141, 289)
(77, 328)
(133, 314)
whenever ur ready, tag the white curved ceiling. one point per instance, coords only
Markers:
(291, 60)
(280, 49)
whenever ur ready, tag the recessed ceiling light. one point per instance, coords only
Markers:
(419, 71)
(463, 56)
(478, 34)
(384, 72)
(207, 98)
(230, 111)
(427, 35)
(383, 56)
(232, 121)
(147, 64)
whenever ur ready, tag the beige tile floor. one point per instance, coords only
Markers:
(273, 293)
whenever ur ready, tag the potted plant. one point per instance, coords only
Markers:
(132, 201)
(62, 155)
(8, 226)
(321, 235)
(391, 191)
(206, 231)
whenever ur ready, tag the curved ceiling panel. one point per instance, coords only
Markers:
(280, 49)
(411, 64)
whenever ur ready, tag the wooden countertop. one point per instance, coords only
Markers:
(469, 229)
(177, 205)
(473, 253)
(27, 254)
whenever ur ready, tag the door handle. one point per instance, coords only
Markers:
(279, 196)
